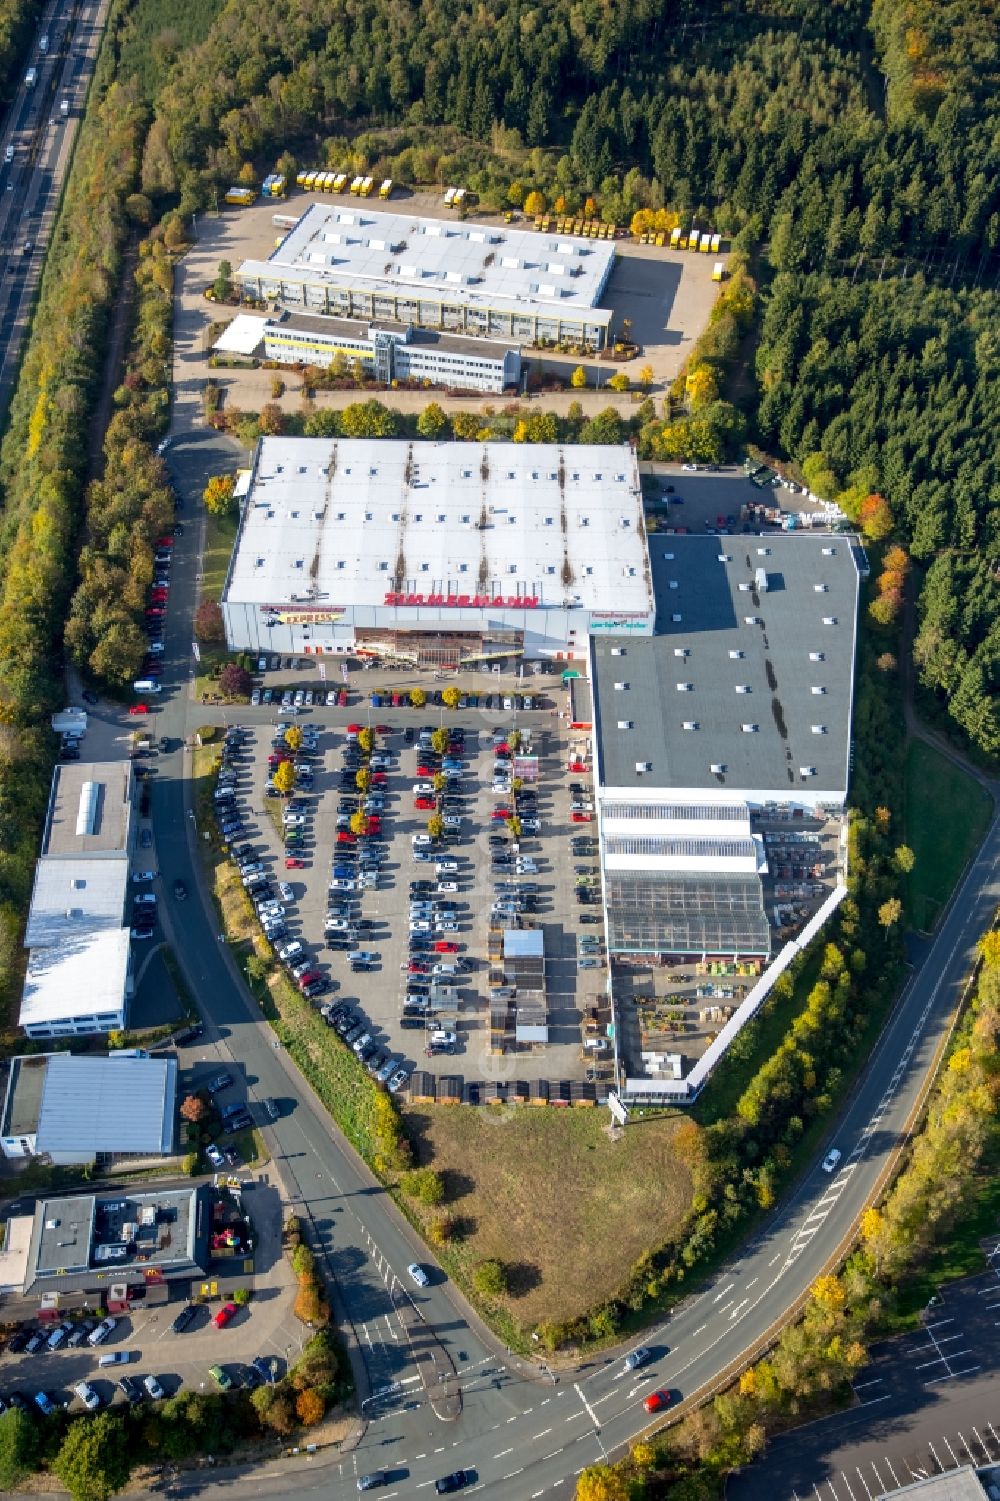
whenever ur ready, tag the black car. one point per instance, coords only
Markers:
(238, 1123)
(456, 1482)
(184, 1318)
(180, 891)
(18, 1341)
(131, 1389)
(267, 1368)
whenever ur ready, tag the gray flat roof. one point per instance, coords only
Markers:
(82, 1239)
(24, 1094)
(359, 328)
(121, 1105)
(108, 799)
(480, 265)
(789, 673)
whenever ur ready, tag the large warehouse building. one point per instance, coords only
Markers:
(437, 553)
(734, 717)
(490, 280)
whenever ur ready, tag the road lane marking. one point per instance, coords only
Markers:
(552, 1455)
(537, 1436)
(587, 1408)
(504, 1452)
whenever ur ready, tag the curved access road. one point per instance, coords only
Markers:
(523, 1435)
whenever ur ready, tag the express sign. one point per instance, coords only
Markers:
(467, 601)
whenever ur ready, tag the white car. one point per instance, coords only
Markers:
(144, 875)
(444, 886)
(418, 1274)
(690, 468)
(343, 883)
(331, 698)
(445, 867)
(445, 926)
(420, 925)
(87, 1395)
(421, 841)
(285, 892)
(440, 1038)
(153, 1387)
(831, 1160)
(99, 1335)
(423, 789)
(290, 951)
(147, 899)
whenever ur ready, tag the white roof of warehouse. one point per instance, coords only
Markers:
(75, 897)
(329, 521)
(243, 335)
(107, 1105)
(477, 264)
(81, 977)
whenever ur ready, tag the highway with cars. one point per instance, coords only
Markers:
(36, 144)
(519, 1432)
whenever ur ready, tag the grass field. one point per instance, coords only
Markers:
(549, 1194)
(220, 534)
(947, 814)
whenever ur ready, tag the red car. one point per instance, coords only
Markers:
(657, 1401)
(225, 1315)
(354, 729)
(342, 698)
(308, 978)
(159, 596)
(344, 838)
(293, 864)
(383, 729)
(379, 779)
(139, 709)
(423, 770)
(374, 824)
(500, 814)
(582, 817)
(442, 946)
(577, 766)
(424, 803)
(417, 968)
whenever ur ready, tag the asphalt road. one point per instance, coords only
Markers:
(523, 1435)
(926, 1403)
(32, 183)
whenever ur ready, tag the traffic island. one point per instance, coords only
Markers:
(434, 1365)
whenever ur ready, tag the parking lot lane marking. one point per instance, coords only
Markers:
(951, 1450)
(848, 1484)
(993, 1431)
(439, 1451)
(864, 1483)
(979, 1440)
(422, 1483)
(937, 1461)
(881, 1483)
(421, 1456)
(504, 1452)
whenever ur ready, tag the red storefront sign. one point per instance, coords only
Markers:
(466, 601)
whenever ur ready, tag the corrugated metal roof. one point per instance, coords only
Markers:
(76, 897)
(123, 1105)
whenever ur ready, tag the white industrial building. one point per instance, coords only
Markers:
(388, 352)
(78, 977)
(79, 1110)
(490, 280)
(737, 711)
(437, 553)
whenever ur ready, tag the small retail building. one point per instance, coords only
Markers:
(80, 1110)
(387, 352)
(440, 554)
(78, 977)
(488, 280)
(125, 1242)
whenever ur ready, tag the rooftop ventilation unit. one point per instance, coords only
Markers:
(819, 729)
(736, 656)
(681, 651)
(742, 687)
(642, 766)
(620, 687)
(718, 768)
(689, 724)
(676, 619)
(807, 771)
(829, 620)
(829, 552)
(817, 688)
(618, 651)
(749, 729)
(668, 557)
(760, 579)
(685, 687)
(625, 724)
(817, 656)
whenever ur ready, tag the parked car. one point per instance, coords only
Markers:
(99, 1335)
(153, 1387)
(225, 1315)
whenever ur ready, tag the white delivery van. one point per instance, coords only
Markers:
(145, 685)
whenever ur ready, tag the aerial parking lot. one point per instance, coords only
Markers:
(392, 929)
